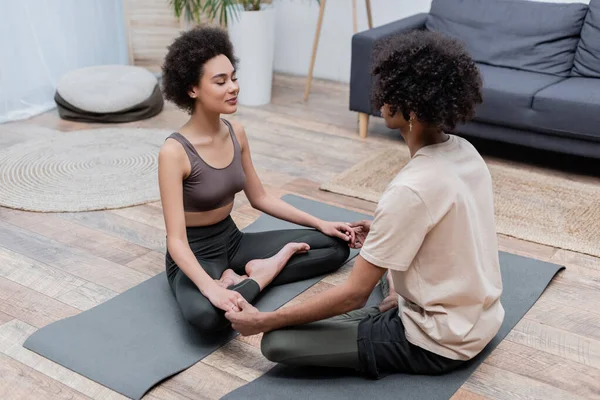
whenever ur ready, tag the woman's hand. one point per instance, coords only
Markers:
(361, 230)
(341, 230)
(225, 299)
(389, 302)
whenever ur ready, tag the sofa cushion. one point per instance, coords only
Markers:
(587, 56)
(570, 108)
(508, 95)
(533, 36)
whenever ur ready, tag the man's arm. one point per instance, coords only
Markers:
(341, 299)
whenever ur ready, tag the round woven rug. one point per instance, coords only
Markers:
(84, 170)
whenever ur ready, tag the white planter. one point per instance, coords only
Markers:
(253, 36)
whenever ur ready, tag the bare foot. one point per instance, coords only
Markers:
(263, 271)
(230, 278)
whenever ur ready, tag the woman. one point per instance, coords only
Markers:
(210, 264)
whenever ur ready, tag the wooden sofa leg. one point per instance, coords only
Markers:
(363, 124)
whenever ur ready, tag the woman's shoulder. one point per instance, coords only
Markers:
(171, 150)
(239, 131)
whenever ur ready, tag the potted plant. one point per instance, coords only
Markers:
(251, 26)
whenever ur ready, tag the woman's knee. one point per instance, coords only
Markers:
(340, 253)
(205, 317)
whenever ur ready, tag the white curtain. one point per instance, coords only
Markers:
(40, 40)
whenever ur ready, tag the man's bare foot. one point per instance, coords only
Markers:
(230, 278)
(263, 271)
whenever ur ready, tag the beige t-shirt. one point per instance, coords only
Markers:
(434, 229)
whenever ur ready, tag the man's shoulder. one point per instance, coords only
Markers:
(423, 175)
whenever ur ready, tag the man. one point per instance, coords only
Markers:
(433, 230)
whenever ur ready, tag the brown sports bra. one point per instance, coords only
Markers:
(208, 188)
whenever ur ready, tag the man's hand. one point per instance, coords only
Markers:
(389, 302)
(249, 321)
(361, 230)
(341, 230)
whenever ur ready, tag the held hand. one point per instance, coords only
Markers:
(340, 230)
(388, 303)
(224, 299)
(248, 321)
(361, 230)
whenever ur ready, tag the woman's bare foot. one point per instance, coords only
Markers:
(230, 278)
(263, 271)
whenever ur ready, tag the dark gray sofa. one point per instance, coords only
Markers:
(540, 64)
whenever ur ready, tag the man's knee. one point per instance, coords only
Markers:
(206, 319)
(275, 346)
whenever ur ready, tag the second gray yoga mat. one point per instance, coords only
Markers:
(524, 280)
(139, 338)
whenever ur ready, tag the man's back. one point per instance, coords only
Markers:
(445, 263)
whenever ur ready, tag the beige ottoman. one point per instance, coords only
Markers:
(108, 93)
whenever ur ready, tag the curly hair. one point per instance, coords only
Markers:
(429, 74)
(186, 56)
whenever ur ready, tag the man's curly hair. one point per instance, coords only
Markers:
(428, 74)
(184, 62)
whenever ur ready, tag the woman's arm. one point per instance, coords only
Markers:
(170, 177)
(272, 205)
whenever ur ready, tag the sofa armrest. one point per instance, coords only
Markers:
(363, 44)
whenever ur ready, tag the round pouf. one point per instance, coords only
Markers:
(86, 170)
(108, 93)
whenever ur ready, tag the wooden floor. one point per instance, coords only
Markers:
(55, 265)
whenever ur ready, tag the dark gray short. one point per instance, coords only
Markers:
(383, 349)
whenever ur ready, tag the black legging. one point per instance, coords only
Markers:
(222, 246)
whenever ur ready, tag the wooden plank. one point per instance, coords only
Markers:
(32, 307)
(525, 248)
(75, 235)
(161, 393)
(463, 394)
(51, 281)
(554, 370)
(144, 214)
(568, 317)
(151, 263)
(203, 382)
(21, 382)
(36, 275)
(253, 340)
(559, 342)
(4, 318)
(500, 384)
(239, 359)
(115, 225)
(12, 337)
(576, 260)
(68, 259)
(87, 296)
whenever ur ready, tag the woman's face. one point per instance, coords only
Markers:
(218, 89)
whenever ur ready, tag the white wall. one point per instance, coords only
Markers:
(297, 22)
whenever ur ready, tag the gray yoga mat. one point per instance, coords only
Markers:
(138, 338)
(524, 280)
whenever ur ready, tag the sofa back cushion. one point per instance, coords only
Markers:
(528, 35)
(587, 56)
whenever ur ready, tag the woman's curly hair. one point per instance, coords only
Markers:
(183, 64)
(428, 74)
